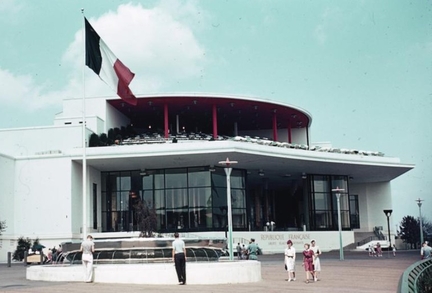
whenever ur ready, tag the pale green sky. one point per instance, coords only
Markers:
(363, 69)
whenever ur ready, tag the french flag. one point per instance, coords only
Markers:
(105, 64)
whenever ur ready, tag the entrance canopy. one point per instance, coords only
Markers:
(260, 161)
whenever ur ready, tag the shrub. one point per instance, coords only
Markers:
(22, 246)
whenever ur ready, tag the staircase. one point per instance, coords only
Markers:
(361, 238)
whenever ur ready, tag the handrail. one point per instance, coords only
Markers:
(368, 239)
(412, 278)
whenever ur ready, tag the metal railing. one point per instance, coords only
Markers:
(367, 240)
(417, 278)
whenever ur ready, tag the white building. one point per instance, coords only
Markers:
(280, 176)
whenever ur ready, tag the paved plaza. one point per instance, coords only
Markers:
(357, 273)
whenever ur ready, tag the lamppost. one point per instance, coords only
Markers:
(388, 214)
(419, 203)
(338, 194)
(228, 170)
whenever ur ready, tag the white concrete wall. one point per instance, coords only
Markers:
(40, 203)
(95, 106)
(275, 242)
(36, 140)
(155, 273)
(361, 191)
(379, 198)
(93, 123)
(94, 176)
(42, 197)
(373, 199)
(7, 203)
(114, 118)
(299, 135)
(76, 198)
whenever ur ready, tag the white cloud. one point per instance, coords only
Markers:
(10, 6)
(151, 42)
(157, 44)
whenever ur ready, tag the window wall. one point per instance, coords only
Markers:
(323, 202)
(185, 199)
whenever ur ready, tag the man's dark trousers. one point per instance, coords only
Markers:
(180, 265)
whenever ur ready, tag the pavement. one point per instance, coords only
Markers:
(356, 273)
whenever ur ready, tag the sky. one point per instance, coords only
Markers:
(363, 69)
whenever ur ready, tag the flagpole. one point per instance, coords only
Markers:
(84, 160)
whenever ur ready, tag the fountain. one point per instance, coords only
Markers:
(149, 261)
(144, 250)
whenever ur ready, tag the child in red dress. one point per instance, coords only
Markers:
(308, 262)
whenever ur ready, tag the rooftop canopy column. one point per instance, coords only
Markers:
(215, 130)
(289, 132)
(275, 134)
(166, 120)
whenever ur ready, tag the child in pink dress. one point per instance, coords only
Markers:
(308, 262)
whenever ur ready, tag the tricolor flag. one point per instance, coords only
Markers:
(105, 64)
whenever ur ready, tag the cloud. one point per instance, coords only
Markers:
(157, 44)
(10, 6)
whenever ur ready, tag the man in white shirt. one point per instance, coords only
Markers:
(179, 258)
(316, 260)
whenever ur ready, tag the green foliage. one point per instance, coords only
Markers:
(2, 226)
(94, 140)
(111, 134)
(409, 230)
(103, 138)
(23, 245)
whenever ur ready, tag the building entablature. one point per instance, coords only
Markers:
(276, 162)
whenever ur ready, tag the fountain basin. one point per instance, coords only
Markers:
(222, 272)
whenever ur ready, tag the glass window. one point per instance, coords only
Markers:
(200, 207)
(147, 196)
(322, 201)
(159, 182)
(340, 182)
(320, 184)
(159, 205)
(197, 178)
(177, 208)
(184, 199)
(125, 181)
(147, 182)
(238, 199)
(175, 178)
(239, 218)
(237, 179)
(219, 198)
(219, 178)
(103, 181)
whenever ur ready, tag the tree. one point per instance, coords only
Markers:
(409, 230)
(2, 227)
(146, 218)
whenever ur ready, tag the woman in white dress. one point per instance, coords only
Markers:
(290, 255)
(316, 260)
